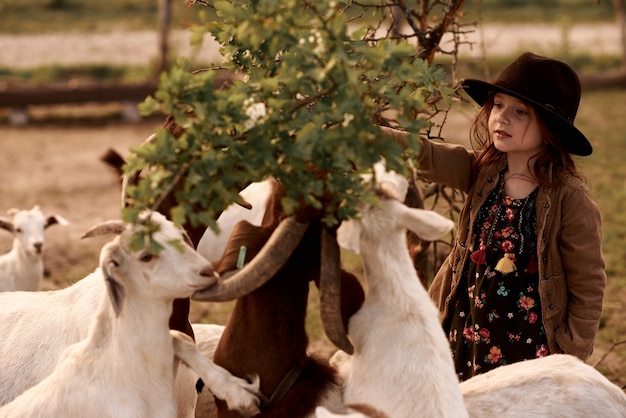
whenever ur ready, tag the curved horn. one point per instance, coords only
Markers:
(264, 266)
(330, 293)
(6, 224)
(108, 227)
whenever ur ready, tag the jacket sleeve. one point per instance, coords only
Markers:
(583, 263)
(441, 162)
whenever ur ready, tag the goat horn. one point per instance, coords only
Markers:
(330, 293)
(108, 227)
(6, 224)
(263, 266)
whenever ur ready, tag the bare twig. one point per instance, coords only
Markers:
(177, 179)
(611, 347)
(191, 3)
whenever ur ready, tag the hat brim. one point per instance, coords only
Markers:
(574, 141)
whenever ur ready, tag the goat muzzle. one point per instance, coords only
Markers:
(262, 268)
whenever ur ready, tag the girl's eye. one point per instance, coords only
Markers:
(522, 112)
(145, 257)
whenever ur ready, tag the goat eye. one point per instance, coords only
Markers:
(18, 230)
(145, 257)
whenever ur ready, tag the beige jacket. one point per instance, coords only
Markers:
(569, 251)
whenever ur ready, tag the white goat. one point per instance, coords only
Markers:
(22, 267)
(391, 333)
(402, 363)
(35, 327)
(126, 365)
(211, 245)
(556, 386)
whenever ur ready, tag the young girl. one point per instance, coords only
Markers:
(525, 277)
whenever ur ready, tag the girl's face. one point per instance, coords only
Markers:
(513, 126)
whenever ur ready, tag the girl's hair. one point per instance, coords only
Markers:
(551, 162)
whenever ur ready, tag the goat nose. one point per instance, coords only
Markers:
(38, 247)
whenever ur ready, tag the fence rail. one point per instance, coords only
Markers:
(16, 96)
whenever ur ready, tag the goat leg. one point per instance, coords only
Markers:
(238, 393)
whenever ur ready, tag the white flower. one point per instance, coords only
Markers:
(256, 112)
(347, 118)
(316, 39)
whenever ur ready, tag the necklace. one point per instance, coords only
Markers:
(521, 176)
(519, 185)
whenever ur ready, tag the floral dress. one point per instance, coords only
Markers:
(496, 318)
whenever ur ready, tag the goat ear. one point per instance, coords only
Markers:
(56, 219)
(6, 224)
(109, 265)
(427, 224)
(115, 289)
(349, 236)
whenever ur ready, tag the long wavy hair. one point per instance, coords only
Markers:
(553, 162)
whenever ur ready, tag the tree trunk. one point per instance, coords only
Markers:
(618, 5)
(165, 11)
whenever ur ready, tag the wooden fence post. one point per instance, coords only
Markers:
(165, 11)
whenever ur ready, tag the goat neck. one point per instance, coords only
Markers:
(29, 269)
(398, 323)
(266, 332)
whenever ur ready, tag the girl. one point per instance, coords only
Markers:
(525, 277)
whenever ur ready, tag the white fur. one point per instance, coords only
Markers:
(212, 245)
(126, 364)
(207, 336)
(402, 363)
(322, 412)
(35, 327)
(22, 267)
(556, 386)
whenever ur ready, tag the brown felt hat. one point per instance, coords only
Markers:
(551, 86)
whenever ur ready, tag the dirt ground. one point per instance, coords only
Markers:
(58, 168)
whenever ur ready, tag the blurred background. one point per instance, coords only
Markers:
(92, 49)
(73, 71)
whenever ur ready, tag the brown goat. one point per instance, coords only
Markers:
(266, 332)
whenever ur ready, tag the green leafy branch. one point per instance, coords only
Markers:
(305, 112)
